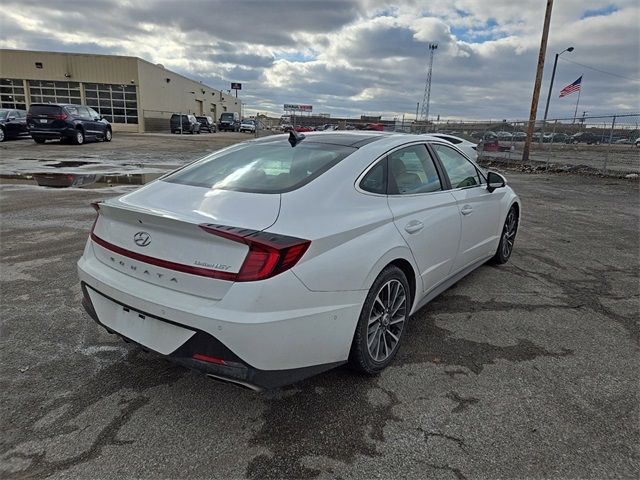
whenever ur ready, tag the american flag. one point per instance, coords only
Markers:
(572, 87)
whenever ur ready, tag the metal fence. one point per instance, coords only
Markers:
(605, 144)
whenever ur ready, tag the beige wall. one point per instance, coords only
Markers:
(157, 98)
(82, 68)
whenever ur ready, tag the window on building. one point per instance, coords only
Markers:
(116, 103)
(12, 94)
(44, 91)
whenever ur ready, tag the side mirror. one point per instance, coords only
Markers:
(495, 180)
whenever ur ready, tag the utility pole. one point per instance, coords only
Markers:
(426, 98)
(538, 83)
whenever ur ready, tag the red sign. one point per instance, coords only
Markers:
(236, 86)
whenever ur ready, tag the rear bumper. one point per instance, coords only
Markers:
(269, 333)
(53, 134)
(233, 367)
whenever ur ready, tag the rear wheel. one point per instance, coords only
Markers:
(381, 323)
(78, 139)
(39, 139)
(508, 237)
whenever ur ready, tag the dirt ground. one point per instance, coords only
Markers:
(524, 370)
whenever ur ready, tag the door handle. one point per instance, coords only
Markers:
(413, 226)
(466, 210)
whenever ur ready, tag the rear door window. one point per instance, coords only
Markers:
(271, 167)
(412, 171)
(75, 111)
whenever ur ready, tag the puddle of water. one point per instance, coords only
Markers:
(77, 180)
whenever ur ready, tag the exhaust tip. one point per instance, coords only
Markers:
(235, 382)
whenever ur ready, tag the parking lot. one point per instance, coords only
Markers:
(529, 369)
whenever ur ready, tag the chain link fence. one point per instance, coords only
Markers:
(609, 144)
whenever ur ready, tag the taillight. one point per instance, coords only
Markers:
(269, 253)
(61, 116)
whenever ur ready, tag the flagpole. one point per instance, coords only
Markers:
(578, 101)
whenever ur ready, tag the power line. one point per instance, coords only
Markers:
(598, 70)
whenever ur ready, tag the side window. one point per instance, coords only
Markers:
(93, 113)
(411, 171)
(462, 173)
(375, 181)
(75, 111)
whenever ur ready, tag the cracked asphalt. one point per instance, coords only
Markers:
(524, 370)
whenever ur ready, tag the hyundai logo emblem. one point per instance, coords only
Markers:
(142, 239)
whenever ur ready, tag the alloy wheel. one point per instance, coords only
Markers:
(386, 320)
(509, 233)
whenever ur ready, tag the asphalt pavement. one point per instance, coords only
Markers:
(529, 369)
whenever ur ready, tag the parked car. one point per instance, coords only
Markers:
(207, 124)
(229, 122)
(248, 289)
(248, 125)
(468, 148)
(502, 135)
(67, 122)
(328, 127)
(489, 136)
(13, 123)
(378, 127)
(585, 137)
(519, 136)
(184, 123)
(303, 129)
(286, 127)
(637, 142)
(555, 137)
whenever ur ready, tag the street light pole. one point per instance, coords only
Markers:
(553, 76)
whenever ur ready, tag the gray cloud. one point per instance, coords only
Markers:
(356, 56)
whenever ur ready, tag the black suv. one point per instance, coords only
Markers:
(185, 123)
(13, 123)
(75, 123)
(207, 123)
(585, 137)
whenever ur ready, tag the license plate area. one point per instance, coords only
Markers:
(147, 330)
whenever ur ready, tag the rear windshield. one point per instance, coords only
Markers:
(272, 167)
(44, 110)
(226, 116)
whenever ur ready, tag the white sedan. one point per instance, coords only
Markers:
(470, 148)
(275, 259)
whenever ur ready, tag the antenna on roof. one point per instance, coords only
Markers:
(295, 137)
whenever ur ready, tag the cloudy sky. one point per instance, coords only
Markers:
(352, 57)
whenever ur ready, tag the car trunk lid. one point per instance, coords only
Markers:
(154, 234)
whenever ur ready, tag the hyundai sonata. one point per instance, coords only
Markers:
(278, 258)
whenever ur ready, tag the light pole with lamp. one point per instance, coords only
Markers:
(553, 74)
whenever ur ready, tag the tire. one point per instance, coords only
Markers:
(507, 238)
(39, 139)
(2, 135)
(379, 325)
(78, 139)
(108, 135)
